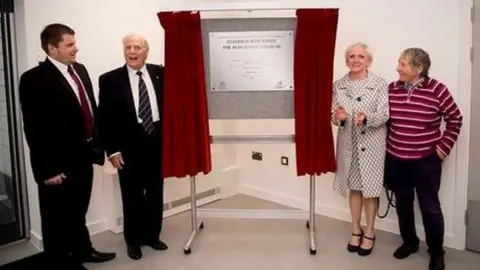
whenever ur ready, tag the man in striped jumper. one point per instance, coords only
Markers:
(416, 148)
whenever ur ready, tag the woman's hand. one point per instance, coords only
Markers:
(440, 154)
(360, 118)
(340, 114)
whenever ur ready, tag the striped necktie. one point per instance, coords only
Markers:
(144, 108)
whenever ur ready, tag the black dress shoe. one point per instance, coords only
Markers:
(98, 257)
(354, 248)
(158, 245)
(364, 251)
(404, 251)
(437, 262)
(134, 252)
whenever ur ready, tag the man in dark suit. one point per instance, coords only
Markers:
(58, 107)
(130, 108)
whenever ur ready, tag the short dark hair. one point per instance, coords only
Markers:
(53, 34)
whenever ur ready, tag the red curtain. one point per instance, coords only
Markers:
(313, 82)
(186, 134)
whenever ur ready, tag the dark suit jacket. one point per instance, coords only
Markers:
(53, 121)
(119, 127)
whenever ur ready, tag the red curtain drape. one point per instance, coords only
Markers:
(313, 81)
(186, 134)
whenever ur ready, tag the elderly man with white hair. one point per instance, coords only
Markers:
(130, 107)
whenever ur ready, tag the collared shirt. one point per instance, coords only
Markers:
(415, 119)
(411, 86)
(134, 79)
(64, 70)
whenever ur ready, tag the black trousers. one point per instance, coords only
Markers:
(141, 185)
(424, 177)
(63, 210)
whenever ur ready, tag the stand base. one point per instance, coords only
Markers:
(251, 214)
(313, 248)
(187, 248)
(262, 214)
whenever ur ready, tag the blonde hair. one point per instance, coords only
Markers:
(361, 45)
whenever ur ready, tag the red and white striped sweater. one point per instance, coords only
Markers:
(416, 116)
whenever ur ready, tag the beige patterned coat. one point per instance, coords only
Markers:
(371, 97)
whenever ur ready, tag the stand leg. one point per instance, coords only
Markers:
(195, 225)
(311, 223)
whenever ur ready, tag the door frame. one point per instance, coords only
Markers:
(21, 228)
(474, 130)
(463, 98)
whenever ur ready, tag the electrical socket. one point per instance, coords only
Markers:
(256, 155)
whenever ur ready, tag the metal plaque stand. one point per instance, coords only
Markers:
(251, 213)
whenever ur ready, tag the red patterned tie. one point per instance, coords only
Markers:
(87, 116)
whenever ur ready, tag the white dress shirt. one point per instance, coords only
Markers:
(64, 70)
(134, 78)
(152, 96)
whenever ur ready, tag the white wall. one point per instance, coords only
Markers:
(442, 27)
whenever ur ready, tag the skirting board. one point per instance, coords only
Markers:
(102, 225)
(387, 225)
(93, 227)
(174, 211)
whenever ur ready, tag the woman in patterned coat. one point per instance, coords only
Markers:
(360, 109)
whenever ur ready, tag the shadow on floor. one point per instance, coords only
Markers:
(31, 262)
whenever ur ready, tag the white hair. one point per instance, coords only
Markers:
(130, 36)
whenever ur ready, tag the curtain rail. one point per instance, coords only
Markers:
(255, 6)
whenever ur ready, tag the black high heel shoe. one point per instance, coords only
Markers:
(365, 252)
(354, 248)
